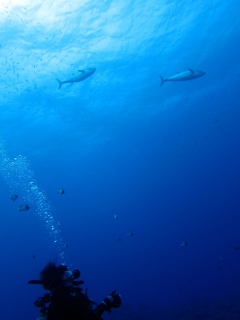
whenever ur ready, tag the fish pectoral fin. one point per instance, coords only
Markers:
(81, 71)
(191, 70)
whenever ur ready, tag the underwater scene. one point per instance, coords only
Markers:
(120, 159)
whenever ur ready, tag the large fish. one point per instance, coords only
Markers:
(183, 76)
(80, 76)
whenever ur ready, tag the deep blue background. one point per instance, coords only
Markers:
(164, 159)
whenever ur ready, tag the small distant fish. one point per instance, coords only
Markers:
(116, 217)
(14, 197)
(65, 245)
(33, 256)
(23, 207)
(237, 248)
(61, 191)
(130, 234)
(119, 239)
(184, 244)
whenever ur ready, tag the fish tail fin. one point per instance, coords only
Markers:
(60, 84)
(162, 80)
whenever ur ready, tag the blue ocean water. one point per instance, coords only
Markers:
(164, 159)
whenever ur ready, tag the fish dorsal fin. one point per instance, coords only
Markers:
(191, 70)
(81, 71)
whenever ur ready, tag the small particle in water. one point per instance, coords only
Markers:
(65, 245)
(116, 217)
(14, 197)
(184, 244)
(33, 256)
(130, 234)
(23, 207)
(61, 191)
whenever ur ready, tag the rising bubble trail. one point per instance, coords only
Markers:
(20, 180)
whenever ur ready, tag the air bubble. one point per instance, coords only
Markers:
(20, 180)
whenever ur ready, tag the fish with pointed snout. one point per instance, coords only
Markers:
(190, 74)
(80, 76)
